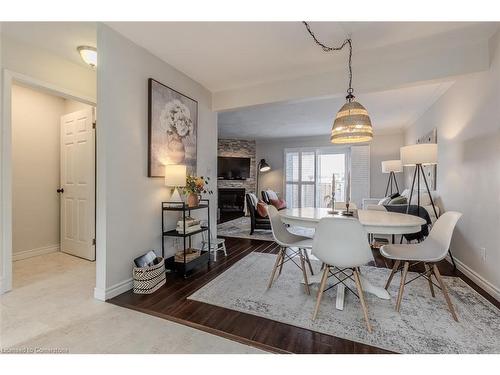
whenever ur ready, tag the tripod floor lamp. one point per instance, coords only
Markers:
(419, 155)
(392, 167)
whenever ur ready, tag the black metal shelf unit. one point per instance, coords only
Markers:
(204, 258)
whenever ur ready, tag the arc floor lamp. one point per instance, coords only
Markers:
(262, 166)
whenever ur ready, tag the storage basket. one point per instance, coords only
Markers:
(147, 280)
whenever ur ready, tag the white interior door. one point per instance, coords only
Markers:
(77, 190)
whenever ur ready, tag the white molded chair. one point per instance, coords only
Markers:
(430, 251)
(340, 243)
(288, 240)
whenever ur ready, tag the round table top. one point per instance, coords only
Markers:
(373, 220)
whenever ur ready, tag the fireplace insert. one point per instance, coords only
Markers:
(231, 203)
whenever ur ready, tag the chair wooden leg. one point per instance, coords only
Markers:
(429, 272)
(304, 272)
(393, 272)
(326, 271)
(282, 261)
(402, 285)
(445, 292)
(278, 259)
(308, 261)
(362, 298)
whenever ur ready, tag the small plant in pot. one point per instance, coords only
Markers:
(195, 187)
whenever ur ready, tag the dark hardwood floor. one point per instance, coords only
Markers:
(171, 303)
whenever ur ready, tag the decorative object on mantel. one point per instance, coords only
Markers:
(262, 166)
(173, 123)
(195, 186)
(352, 123)
(175, 176)
(392, 167)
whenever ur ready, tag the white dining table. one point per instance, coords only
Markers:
(374, 221)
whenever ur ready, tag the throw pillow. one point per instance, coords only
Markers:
(384, 201)
(262, 209)
(278, 203)
(271, 194)
(399, 200)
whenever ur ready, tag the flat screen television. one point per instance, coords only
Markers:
(233, 168)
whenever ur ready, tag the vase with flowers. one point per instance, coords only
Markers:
(195, 187)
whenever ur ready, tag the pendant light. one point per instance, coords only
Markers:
(352, 123)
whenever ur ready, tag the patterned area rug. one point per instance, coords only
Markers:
(423, 326)
(240, 228)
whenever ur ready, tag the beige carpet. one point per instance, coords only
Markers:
(52, 307)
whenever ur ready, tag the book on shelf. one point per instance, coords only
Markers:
(189, 222)
(194, 228)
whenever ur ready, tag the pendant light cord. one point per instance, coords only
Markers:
(326, 48)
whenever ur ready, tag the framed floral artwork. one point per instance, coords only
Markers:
(173, 124)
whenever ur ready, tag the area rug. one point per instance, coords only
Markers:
(240, 228)
(424, 324)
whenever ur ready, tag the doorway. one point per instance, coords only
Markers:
(53, 174)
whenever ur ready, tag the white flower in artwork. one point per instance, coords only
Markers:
(175, 118)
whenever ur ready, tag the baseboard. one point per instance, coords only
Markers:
(35, 252)
(113, 290)
(478, 279)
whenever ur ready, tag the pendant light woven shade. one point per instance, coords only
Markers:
(352, 124)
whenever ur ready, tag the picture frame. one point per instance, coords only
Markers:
(172, 129)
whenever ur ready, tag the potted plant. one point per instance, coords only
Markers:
(195, 186)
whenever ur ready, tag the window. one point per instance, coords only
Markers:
(308, 175)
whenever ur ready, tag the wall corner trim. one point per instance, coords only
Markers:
(114, 290)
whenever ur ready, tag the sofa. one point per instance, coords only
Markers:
(425, 202)
(256, 220)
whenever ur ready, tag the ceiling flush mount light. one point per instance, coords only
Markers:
(88, 55)
(352, 123)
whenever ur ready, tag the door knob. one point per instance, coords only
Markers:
(61, 190)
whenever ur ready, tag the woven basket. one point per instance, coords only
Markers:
(148, 280)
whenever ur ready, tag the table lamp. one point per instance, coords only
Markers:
(392, 167)
(419, 155)
(175, 176)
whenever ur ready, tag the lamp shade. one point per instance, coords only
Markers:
(389, 166)
(421, 153)
(352, 124)
(175, 175)
(263, 166)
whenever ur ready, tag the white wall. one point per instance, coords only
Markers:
(35, 156)
(128, 211)
(382, 147)
(467, 118)
(42, 64)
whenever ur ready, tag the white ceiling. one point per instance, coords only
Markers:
(389, 111)
(227, 55)
(61, 38)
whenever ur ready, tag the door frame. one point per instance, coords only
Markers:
(10, 77)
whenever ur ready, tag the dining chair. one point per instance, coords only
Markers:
(341, 244)
(430, 251)
(288, 242)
